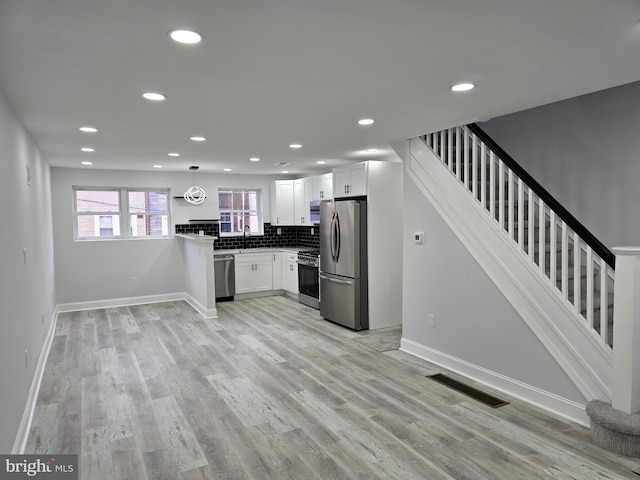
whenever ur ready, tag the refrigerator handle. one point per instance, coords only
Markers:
(337, 237)
(332, 237)
(336, 280)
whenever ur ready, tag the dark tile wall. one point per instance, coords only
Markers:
(289, 236)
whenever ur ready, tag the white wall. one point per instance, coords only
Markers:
(102, 270)
(27, 288)
(585, 151)
(474, 323)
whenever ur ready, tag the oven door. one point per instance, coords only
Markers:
(308, 285)
(308, 282)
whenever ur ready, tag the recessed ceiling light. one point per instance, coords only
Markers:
(366, 121)
(173, 154)
(88, 129)
(463, 87)
(285, 171)
(197, 139)
(156, 97)
(226, 169)
(321, 162)
(187, 37)
(87, 163)
(295, 145)
(88, 149)
(157, 166)
(254, 159)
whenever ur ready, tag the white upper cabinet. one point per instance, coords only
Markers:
(302, 195)
(282, 205)
(322, 187)
(350, 180)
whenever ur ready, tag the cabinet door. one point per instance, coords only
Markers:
(277, 270)
(316, 187)
(282, 209)
(298, 202)
(340, 182)
(290, 277)
(358, 179)
(327, 187)
(263, 276)
(244, 277)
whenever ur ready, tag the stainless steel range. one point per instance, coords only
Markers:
(308, 278)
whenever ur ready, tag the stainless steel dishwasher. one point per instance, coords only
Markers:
(225, 277)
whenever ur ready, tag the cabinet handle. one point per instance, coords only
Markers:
(321, 193)
(301, 219)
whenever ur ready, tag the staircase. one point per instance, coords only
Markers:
(535, 222)
(552, 270)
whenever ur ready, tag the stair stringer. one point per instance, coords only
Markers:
(551, 318)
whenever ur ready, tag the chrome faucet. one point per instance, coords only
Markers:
(245, 233)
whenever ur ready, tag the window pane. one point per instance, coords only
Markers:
(97, 201)
(225, 200)
(149, 225)
(98, 226)
(141, 202)
(238, 200)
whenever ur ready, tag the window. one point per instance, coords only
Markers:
(120, 213)
(240, 209)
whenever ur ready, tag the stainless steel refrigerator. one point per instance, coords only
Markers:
(344, 295)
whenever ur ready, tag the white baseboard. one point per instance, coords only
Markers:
(20, 442)
(547, 401)
(204, 311)
(121, 302)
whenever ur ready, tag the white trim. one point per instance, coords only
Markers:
(202, 310)
(121, 302)
(547, 401)
(22, 436)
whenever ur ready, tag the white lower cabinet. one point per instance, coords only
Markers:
(254, 272)
(277, 270)
(290, 272)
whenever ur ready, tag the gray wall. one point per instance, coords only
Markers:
(586, 152)
(474, 322)
(26, 288)
(102, 270)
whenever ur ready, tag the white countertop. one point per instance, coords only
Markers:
(259, 250)
(197, 238)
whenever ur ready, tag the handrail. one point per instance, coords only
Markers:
(598, 247)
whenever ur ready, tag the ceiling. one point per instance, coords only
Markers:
(274, 72)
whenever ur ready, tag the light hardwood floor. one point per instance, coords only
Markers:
(269, 390)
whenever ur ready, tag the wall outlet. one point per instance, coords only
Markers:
(431, 320)
(134, 280)
(313, 231)
(278, 231)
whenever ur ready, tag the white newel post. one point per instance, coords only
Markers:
(626, 331)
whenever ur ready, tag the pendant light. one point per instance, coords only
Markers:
(195, 194)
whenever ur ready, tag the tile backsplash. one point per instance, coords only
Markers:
(290, 236)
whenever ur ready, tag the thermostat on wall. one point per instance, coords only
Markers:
(418, 237)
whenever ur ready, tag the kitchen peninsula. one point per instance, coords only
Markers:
(198, 273)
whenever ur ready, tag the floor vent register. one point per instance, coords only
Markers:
(480, 396)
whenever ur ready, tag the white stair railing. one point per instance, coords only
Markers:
(538, 226)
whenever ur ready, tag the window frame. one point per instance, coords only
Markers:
(258, 212)
(123, 226)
